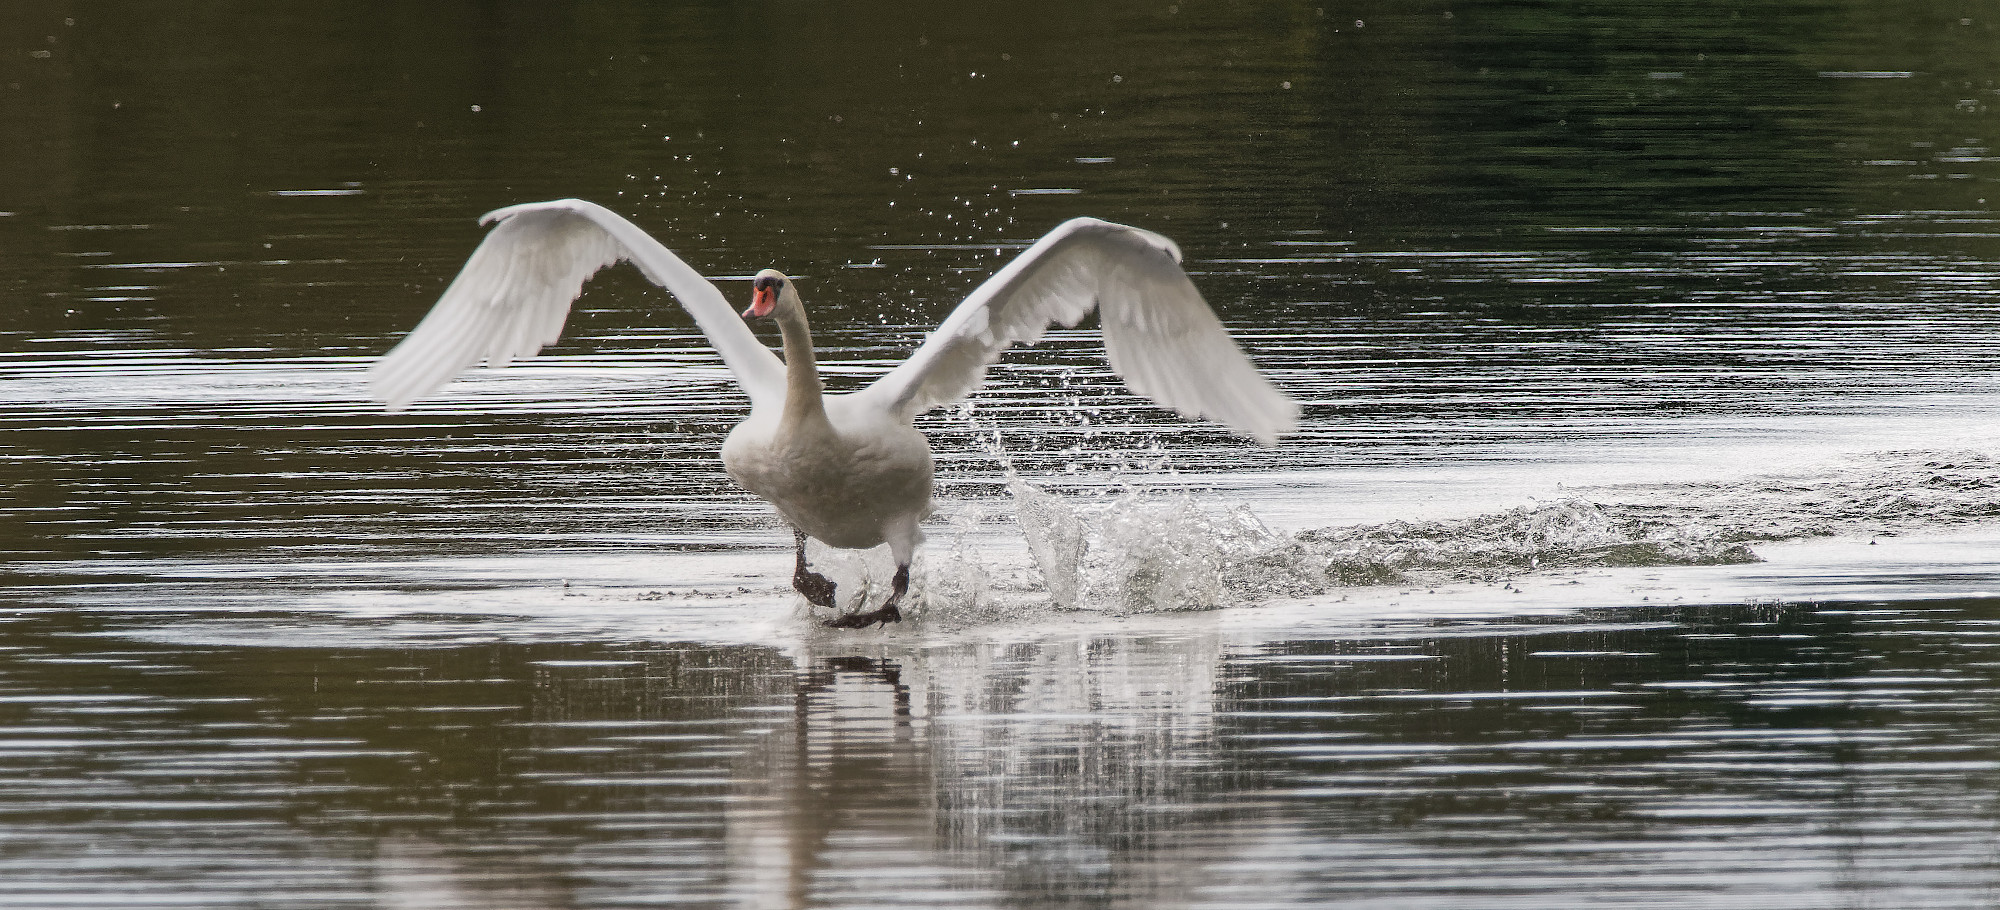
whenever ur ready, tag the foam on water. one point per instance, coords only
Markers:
(1136, 551)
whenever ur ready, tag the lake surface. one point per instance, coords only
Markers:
(1637, 549)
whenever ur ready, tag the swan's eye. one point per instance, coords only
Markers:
(766, 283)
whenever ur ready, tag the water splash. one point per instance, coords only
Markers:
(1136, 552)
(1055, 534)
(956, 578)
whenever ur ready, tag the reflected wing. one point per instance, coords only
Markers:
(1160, 335)
(514, 293)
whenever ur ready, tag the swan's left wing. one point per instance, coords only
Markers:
(1158, 332)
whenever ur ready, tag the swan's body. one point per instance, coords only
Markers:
(847, 476)
(848, 470)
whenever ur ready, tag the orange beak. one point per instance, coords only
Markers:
(762, 300)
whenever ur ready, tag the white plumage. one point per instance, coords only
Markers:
(848, 470)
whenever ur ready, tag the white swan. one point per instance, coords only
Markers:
(848, 470)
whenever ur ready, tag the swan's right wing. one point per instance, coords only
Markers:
(513, 295)
(1159, 333)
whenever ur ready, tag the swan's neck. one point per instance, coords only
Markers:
(803, 404)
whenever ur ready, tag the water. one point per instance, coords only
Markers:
(1636, 550)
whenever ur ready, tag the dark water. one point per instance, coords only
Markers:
(1637, 550)
(1700, 757)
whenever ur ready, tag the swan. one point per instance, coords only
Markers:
(847, 470)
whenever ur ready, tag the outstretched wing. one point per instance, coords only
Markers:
(1160, 335)
(514, 293)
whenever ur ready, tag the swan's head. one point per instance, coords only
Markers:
(766, 291)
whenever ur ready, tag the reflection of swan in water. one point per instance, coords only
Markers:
(1021, 768)
(853, 773)
(414, 873)
(849, 470)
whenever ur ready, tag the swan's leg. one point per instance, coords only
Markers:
(900, 587)
(817, 588)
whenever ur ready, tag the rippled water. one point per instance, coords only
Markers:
(1637, 549)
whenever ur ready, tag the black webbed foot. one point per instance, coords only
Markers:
(885, 615)
(816, 588)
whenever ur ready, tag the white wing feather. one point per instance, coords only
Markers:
(514, 293)
(1158, 332)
